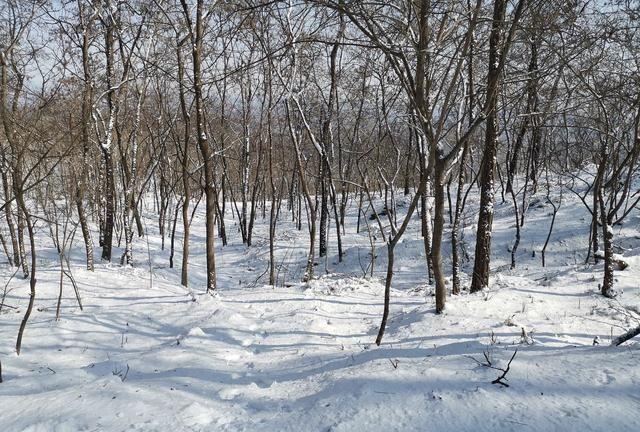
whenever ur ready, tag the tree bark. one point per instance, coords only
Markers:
(480, 278)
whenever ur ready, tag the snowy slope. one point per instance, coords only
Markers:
(147, 354)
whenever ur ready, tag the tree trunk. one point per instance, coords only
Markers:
(109, 203)
(387, 291)
(425, 220)
(32, 281)
(455, 229)
(196, 35)
(9, 218)
(173, 233)
(607, 237)
(324, 209)
(438, 231)
(480, 278)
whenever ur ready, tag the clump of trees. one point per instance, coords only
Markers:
(304, 107)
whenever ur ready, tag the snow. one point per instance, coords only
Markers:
(144, 356)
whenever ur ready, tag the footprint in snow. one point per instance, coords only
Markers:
(195, 414)
(607, 377)
(229, 393)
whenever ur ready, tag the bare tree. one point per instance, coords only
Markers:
(195, 29)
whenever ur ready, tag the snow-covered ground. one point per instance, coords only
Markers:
(146, 354)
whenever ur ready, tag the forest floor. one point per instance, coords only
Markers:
(147, 354)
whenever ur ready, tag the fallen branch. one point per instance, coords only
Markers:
(626, 336)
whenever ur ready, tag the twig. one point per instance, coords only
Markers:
(5, 292)
(488, 364)
(502, 377)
